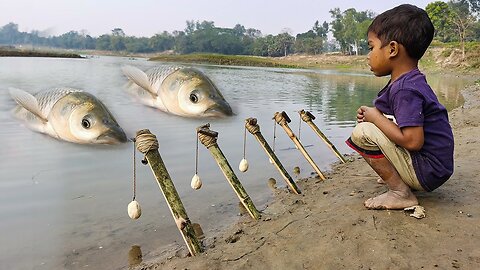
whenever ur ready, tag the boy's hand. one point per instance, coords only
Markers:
(368, 114)
(360, 115)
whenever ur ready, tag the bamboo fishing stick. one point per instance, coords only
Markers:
(282, 119)
(307, 117)
(147, 144)
(209, 138)
(254, 129)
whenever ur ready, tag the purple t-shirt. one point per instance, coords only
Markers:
(413, 103)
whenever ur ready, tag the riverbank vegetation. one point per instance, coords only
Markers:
(440, 57)
(13, 52)
(456, 43)
(455, 21)
(229, 60)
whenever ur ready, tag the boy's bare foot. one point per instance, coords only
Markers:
(380, 181)
(392, 199)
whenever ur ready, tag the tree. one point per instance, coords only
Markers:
(103, 43)
(9, 33)
(260, 46)
(474, 6)
(320, 30)
(311, 42)
(286, 42)
(161, 42)
(463, 19)
(239, 30)
(182, 42)
(137, 45)
(117, 40)
(350, 28)
(440, 15)
(338, 28)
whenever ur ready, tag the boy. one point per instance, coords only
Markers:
(414, 148)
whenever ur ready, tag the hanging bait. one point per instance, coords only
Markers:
(243, 166)
(196, 182)
(134, 210)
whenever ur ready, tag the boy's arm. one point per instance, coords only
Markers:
(410, 138)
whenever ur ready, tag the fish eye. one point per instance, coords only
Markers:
(193, 98)
(86, 123)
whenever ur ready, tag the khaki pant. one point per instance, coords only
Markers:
(367, 136)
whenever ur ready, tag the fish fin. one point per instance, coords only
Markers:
(139, 77)
(27, 101)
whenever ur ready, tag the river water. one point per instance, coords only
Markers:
(64, 206)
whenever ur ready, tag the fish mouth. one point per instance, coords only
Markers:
(221, 108)
(115, 135)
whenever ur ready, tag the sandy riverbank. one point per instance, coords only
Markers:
(327, 227)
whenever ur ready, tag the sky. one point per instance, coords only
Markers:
(149, 17)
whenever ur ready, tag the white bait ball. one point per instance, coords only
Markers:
(134, 210)
(243, 166)
(196, 182)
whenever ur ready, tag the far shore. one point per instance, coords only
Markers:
(436, 59)
(13, 52)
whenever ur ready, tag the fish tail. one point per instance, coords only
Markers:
(138, 77)
(27, 101)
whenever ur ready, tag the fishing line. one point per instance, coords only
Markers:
(244, 141)
(196, 157)
(196, 183)
(274, 135)
(299, 126)
(134, 172)
(133, 209)
(243, 166)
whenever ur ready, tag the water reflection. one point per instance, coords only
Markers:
(135, 256)
(272, 183)
(338, 96)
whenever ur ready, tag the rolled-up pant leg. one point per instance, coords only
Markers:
(369, 141)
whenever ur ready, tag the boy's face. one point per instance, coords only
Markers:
(378, 57)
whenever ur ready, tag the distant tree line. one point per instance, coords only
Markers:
(454, 21)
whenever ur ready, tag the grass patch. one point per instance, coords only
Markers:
(32, 53)
(229, 60)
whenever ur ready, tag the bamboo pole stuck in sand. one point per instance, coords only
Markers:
(147, 144)
(282, 119)
(307, 117)
(209, 138)
(254, 129)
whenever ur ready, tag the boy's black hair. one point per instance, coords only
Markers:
(407, 25)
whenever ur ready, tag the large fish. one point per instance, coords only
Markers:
(178, 90)
(68, 114)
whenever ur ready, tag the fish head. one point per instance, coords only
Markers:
(87, 120)
(199, 97)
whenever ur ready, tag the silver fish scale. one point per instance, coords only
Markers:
(46, 99)
(160, 73)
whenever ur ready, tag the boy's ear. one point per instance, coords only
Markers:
(393, 48)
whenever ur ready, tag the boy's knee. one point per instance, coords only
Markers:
(363, 132)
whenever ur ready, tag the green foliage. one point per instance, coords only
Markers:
(350, 29)
(312, 41)
(447, 52)
(217, 59)
(33, 53)
(440, 15)
(456, 21)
